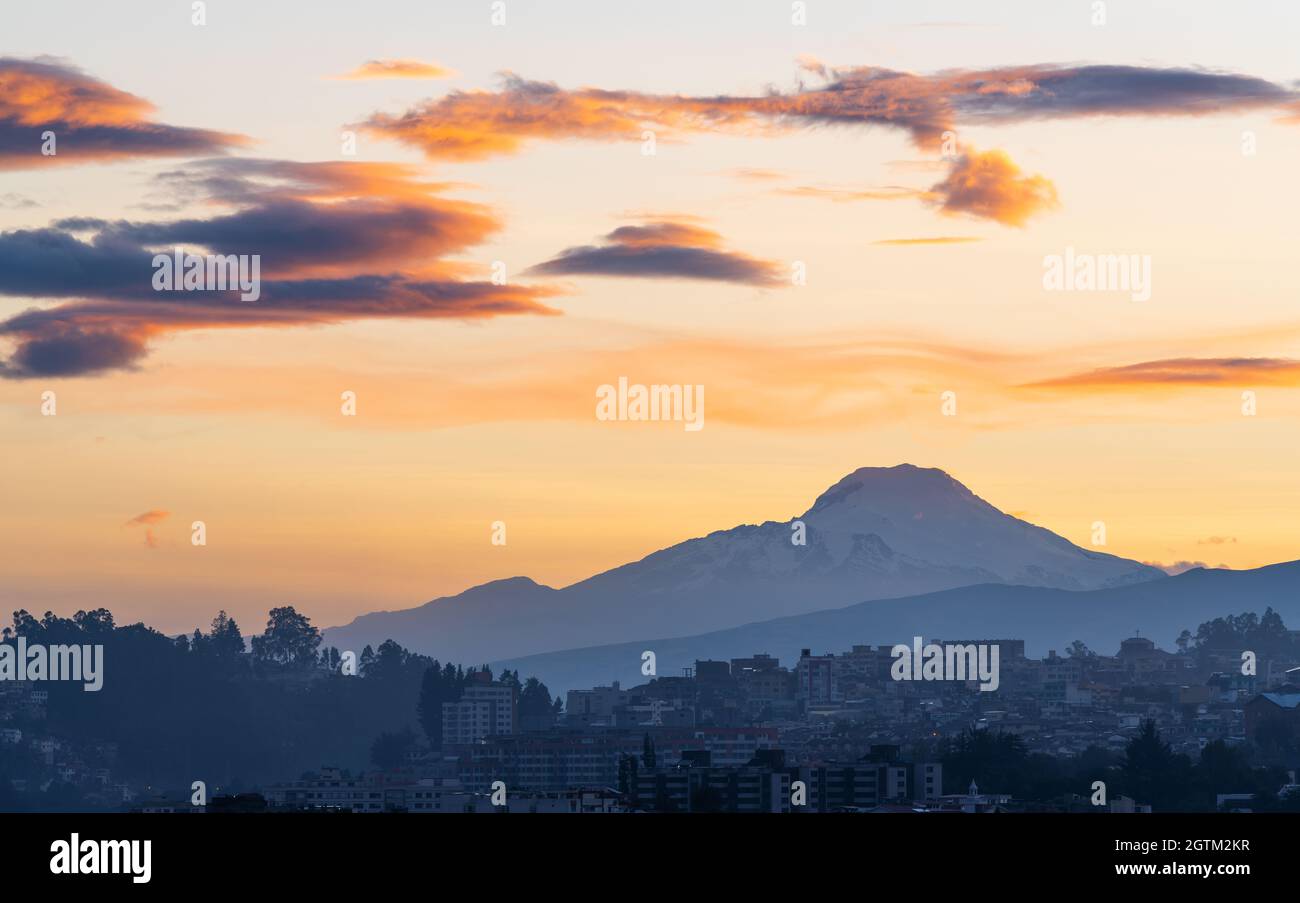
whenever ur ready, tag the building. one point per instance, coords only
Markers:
(1273, 711)
(331, 789)
(595, 707)
(816, 683)
(485, 709)
(696, 785)
(563, 760)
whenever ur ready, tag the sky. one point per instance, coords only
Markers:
(473, 226)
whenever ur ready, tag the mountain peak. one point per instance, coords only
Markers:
(902, 484)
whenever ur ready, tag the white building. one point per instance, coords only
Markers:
(484, 710)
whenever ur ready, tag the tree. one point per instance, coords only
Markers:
(290, 640)
(1151, 773)
(438, 686)
(994, 760)
(224, 640)
(648, 752)
(390, 748)
(330, 658)
(1265, 636)
(1095, 760)
(389, 661)
(1222, 769)
(535, 701)
(96, 625)
(429, 708)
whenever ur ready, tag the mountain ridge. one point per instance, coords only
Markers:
(1044, 618)
(878, 532)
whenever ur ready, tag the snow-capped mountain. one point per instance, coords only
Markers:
(878, 533)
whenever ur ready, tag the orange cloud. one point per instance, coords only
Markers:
(90, 120)
(990, 186)
(472, 125)
(152, 516)
(826, 384)
(757, 175)
(400, 68)
(1182, 372)
(147, 519)
(475, 124)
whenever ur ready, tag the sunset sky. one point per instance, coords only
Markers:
(917, 161)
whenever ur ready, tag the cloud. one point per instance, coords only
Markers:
(152, 516)
(985, 185)
(937, 240)
(401, 68)
(476, 124)
(91, 120)
(829, 384)
(841, 195)
(1216, 540)
(337, 242)
(473, 125)
(147, 520)
(990, 186)
(751, 174)
(1177, 372)
(662, 250)
(68, 350)
(1038, 92)
(1178, 567)
(12, 201)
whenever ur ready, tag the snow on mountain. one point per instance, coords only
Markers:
(877, 533)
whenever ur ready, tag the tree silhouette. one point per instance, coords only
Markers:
(289, 642)
(390, 748)
(535, 700)
(1152, 773)
(992, 759)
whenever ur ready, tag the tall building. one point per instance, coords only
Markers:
(485, 709)
(816, 683)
